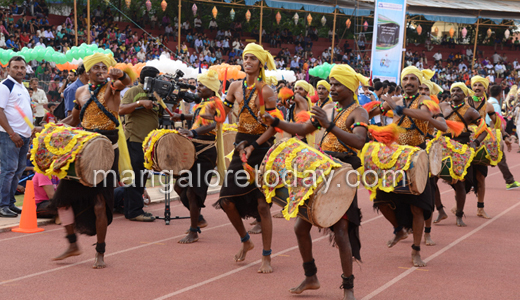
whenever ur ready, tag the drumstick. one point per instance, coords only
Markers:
(161, 102)
(20, 111)
(261, 99)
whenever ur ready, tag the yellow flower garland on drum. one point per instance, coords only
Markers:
(464, 155)
(150, 141)
(379, 158)
(279, 161)
(50, 157)
(490, 146)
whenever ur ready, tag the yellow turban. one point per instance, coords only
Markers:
(324, 83)
(271, 80)
(306, 86)
(348, 77)
(480, 79)
(423, 75)
(463, 87)
(265, 58)
(434, 88)
(210, 80)
(95, 58)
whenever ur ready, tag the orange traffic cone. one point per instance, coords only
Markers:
(28, 223)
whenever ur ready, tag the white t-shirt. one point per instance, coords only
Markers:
(18, 96)
(40, 98)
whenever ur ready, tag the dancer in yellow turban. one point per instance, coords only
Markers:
(89, 209)
(346, 135)
(240, 198)
(402, 210)
(480, 102)
(190, 189)
(323, 89)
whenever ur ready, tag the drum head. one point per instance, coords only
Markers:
(435, 157)
(229, 144)
(419, 173)
(97, 155)
(174, 153)
(327, 208)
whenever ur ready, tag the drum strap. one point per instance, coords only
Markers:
(93, 98)
(209, 144)
(456, 111)
(246, 103)
(413, 126)
(334, 120)
(290, 114)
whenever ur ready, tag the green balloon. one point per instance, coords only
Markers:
(69, 55)
(88, 51)
(3, 54)
(312, 72)
(29, 55)
(82, 52)
(108, 51)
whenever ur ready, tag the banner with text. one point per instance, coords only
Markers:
(387, 40)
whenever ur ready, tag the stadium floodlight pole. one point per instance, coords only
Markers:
(179, 29)
(475, 45)
(76, 20)
(261, 19)
(404, 41)
(88, 22)
(333, 35)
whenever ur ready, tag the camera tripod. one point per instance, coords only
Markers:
(167, 199)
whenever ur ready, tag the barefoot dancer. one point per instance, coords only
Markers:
(238, 198)
(346, 134)
(431, 89)
(85, 209)
(479, 101)
(401, 210)
(459, 111)
(193, 195)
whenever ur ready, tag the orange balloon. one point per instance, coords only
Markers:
(241, 75)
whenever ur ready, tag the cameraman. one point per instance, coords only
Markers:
(141, 116)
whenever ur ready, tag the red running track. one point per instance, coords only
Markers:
(146, 262)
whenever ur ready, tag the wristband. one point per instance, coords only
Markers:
(122, 77)
(331, 126)
(182, 117)
(255, 145)
(275, 122)
(398, 110)
(194, 133)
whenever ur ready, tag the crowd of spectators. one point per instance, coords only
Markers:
(204, 43)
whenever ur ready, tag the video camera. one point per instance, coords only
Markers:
(169, 87)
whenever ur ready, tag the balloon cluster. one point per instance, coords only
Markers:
(233, 72)
(167, 66)
(321, 71)
(41, 53)
(286, 75)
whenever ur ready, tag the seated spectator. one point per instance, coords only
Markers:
(438, 56)
(197, 24)
(213, 25)
(220, 34)
(44, 189)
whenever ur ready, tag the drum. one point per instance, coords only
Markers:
(167, 150)
(73, 154)
(396, 168)
(229, 143)
(435, 158)
(489, 153)
(287, 179)
(456, 158)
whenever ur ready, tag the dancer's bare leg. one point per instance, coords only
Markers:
(234, 217)
(302, 229)
(101, 231)
(267, 235)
